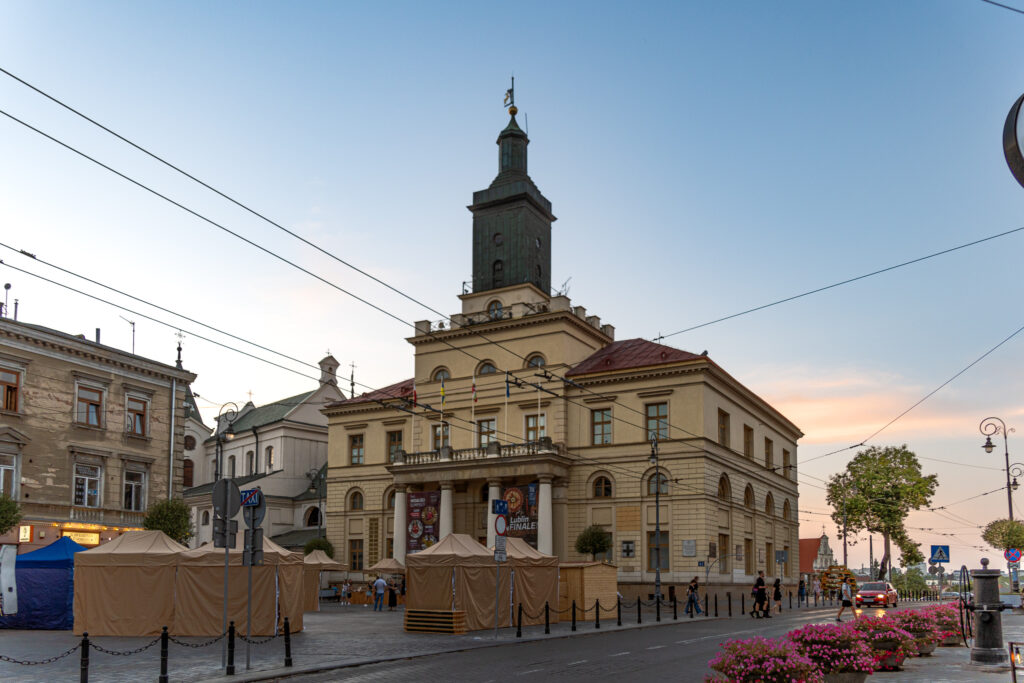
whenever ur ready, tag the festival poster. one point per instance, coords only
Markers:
(423, 520)
(522, 512)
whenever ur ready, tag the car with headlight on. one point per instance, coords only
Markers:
(876, 594)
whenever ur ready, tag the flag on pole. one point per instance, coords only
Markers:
(474, 388)
(506, 385)
(442, 392)
(414, 402)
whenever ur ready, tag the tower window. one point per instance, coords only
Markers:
(494, 309)
(498, 239)
(539, 271)
(498, 273)
(537, 242)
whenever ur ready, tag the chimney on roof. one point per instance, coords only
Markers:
(97, 335)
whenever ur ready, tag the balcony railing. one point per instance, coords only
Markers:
(493, 450)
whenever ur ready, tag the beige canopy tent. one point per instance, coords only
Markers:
(314, 563)
(458, 573)
(387, 566)
(277, 591)
(126, 587)
(534, 580)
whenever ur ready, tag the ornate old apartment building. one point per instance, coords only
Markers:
(522, 395)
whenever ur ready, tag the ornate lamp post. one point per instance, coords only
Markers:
(657, 517)
(988, 427)
(316, 485)
(229, 415)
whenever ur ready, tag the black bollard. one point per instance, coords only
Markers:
(743, 604)
(639, 619)
(657, 608)
(618, 611)
(815, 599)
(728, 600)
(791, 600)
(573, 615)
(597, 613)
(716, 604)
(287, 643)
(706, 613)
(163, 655)
(230, 671)
(675, 608)
(519, 622)
(84, 675)
(547, 618)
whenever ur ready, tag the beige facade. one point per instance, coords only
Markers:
(532, 390)
(90, 435)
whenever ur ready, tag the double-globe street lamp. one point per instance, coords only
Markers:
(989, 427)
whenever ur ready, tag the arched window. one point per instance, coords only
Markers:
(187, 472)
(355, 501)
(657, 481)
(391, 500)
(486, 368)
(535, 361)
(786, 512)
(769, 505)
(724, 489)
(441, 374)
(498, 239)
(494, 310)
(206, 518)
(313, 516)
(602, 488)
(498, 273)
(231, 466)
(748, 496)
(270, 458)
(250, 459)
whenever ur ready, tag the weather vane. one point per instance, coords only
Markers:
(510, 97)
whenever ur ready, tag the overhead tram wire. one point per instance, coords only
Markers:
(1006, 7)
(378, 280)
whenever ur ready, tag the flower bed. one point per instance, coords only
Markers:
(946, 618)
(834, 648)
(889, 643)
(922, 625)
(762, 660)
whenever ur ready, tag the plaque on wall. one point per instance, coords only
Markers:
(690, 548)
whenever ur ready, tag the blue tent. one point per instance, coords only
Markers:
(46, 581)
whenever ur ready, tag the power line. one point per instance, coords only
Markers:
(1006, 7)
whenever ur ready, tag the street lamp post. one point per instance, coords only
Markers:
(316, 480)
(988, 427)
(657, 517)
(228, 414)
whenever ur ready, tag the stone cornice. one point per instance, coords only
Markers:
(509, 324)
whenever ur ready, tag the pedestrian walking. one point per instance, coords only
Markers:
(379, 586)
(392, 596)
(846, 593)
(817, 590)
(346, 592)
(693, 597)
(369, 594)
(777, 595)
(760, 598)
(801, 592)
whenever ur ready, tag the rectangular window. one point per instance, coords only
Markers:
(657, 421)
(769, 453)
(748, 441)
(656, 549)
(134, 490)
(394, 444)
(7, 475)
(486, 431)
(771, 569)
(723, 428)
(10, 383)
(390, 548)
(87, 485)
(534, 427)
(137, 409)
(601, 426)
(786, 465)
(442, 436)
(90, 406)
(724, 566)
(748, 557)
(355, 449)
(785, 565)
(355, 554)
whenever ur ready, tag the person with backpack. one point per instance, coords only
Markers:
(846, 595)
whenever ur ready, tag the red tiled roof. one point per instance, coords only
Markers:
(396, 390)
(630, 353)
(808, 554)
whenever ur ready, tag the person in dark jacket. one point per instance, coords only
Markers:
(777, 595)
(392, 596)
(693, 597)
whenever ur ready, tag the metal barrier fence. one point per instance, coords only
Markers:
(165, 639)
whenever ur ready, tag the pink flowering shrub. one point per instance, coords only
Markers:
(834, 648)
(881, 633)
(763, 660)
(919, 623)
(946, 617)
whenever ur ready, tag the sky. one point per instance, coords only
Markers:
(702, 158)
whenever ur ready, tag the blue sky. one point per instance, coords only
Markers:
(702, 158)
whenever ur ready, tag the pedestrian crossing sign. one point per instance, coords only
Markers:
(940, 553)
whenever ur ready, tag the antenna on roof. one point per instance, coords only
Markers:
(132, 323)
(564, 289)
(352, 380)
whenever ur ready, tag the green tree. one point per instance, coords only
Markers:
(172, 517)
(10, 514)
(909, 581)
(319, 544)
(593, 541)
(1003, 534)
(875, 492)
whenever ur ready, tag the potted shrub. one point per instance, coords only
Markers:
(839, 651)
(947, 624)
(889, 643)
(921, 625)
(762, 660)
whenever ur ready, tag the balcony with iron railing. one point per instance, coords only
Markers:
(494, 450)
(86, 515)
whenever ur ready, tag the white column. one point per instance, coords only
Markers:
(447, 511)
(544, 518)
(400, 523)
(494, 493)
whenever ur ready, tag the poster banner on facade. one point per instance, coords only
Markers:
(423, 520)
(522, 512)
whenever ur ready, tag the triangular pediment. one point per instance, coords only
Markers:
(11, 435)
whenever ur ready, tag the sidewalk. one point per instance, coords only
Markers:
(950, 664)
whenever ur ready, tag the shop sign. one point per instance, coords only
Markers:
(423, 520)
(522, 512)
(83, 537)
